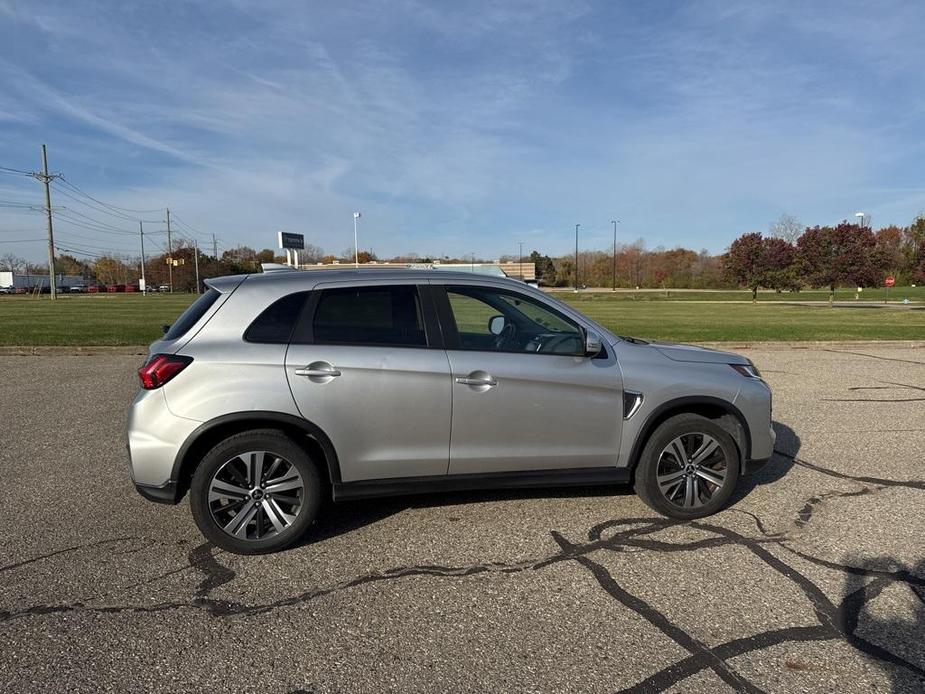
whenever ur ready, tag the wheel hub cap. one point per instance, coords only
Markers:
(691, 469)
(256, 495)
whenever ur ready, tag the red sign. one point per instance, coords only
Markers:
(889, 281)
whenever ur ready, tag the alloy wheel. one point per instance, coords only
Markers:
(691, 469)
(256, 495)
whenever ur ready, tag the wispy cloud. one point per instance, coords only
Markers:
(466, 126)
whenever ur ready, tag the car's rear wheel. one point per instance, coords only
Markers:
(255, 492)
(689, 468)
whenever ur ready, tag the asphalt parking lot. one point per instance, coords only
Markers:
(813, 581)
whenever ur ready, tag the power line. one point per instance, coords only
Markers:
(70, 220)
(106, 204)
(193, 229)
(71, 234)
(93, 220)
(97, 208)
(22, 240)
(8, 170)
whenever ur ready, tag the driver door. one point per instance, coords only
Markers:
(524, 395)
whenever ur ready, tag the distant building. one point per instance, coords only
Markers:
(30, 282)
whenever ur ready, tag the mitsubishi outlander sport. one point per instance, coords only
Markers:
(275, 390)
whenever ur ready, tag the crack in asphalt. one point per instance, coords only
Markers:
(874, 356)
(632, 535)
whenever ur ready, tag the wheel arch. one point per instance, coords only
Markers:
(305, 433)
(725, 413)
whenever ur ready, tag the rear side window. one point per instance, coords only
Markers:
(277, 321)
(369, 316)
(191, 315)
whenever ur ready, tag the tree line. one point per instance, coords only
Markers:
(846, 254)
(788, 258)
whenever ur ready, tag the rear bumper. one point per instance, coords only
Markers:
(166, 494)
(154, 437)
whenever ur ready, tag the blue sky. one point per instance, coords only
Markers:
(460, 127)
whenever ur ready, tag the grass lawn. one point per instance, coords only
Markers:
(897, 294)
(701, 322)
(136, 320)
(108, 319)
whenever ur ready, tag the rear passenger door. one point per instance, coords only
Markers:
(366, 365)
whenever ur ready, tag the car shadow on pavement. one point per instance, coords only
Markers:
(786, 448)
(892, 634)
(345, 517)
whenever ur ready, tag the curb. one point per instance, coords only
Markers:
(142, 350)
(817, 344)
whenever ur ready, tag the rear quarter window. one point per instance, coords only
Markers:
(276, 323)
(191, 316)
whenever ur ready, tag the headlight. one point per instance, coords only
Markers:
(747, 370)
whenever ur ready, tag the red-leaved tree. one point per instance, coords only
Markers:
(745, 262)
(845, 254)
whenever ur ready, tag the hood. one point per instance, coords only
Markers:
(690, 353)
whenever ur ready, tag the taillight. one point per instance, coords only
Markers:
(160, 368)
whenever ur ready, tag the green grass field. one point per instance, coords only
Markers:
(896, 295)
(137, 320)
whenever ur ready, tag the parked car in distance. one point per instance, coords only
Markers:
(275, 390)
(164, 288)
(7, 290)
(77, 289)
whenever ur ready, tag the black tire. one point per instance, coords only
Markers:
(688, 427)
(277, 444)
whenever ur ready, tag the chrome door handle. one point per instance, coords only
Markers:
(317, 373)
(477, 381)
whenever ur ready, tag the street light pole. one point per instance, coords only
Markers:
(614, 222)
(576, 256)
(356, 248)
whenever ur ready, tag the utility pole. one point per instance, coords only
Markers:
(169, 255)
(576, 256)
(144, 284)
(520, 260)
(214, 248)
(196, 260)
(45, 178)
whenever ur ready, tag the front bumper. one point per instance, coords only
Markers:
(754, 465)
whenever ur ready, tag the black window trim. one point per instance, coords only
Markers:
(451, 331)
(303, 334)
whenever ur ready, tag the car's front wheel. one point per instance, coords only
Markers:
(255, 492)
(689, 468)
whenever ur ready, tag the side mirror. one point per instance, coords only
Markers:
(165, 328)
(593, 343)
(496, 324)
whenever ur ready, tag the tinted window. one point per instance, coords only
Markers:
(276, 322)
(191, 315)
(502, 321)
(369, 315)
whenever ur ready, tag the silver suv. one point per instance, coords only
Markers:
(275, 390)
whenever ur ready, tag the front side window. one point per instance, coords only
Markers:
(369, 316)
(502, 321)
